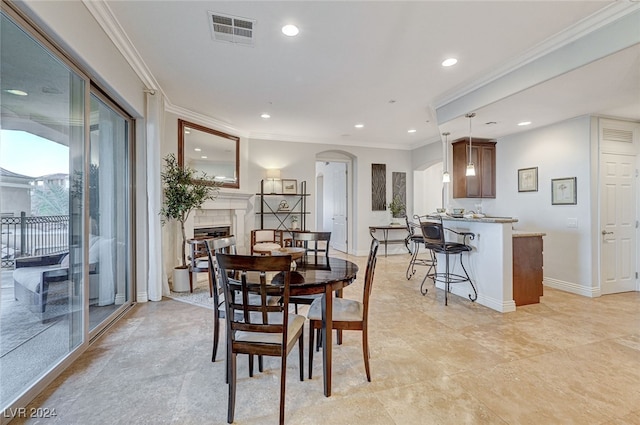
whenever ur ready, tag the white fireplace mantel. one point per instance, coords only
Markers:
(228, 209)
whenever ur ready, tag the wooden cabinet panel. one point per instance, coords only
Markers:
(527, 270)
(483, 156)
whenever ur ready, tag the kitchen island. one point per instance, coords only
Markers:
(490, 263)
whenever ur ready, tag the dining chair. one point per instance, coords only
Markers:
(314, 243)
(348, 315)
(224, 245)
(433, 232)
(262, 329)
(198, 262)
(263, 241)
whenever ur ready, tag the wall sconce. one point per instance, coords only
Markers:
(273, 174)
(471, 169)
(446, 178)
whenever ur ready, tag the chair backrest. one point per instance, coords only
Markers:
(313, 242)
(247, 274)
(225, 245)
(432, 230)
(368, 274)
(266, 235)
(197, 254)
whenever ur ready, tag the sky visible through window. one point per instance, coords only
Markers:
(31, 155)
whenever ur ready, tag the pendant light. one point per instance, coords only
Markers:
(471, 169)
(446, 178)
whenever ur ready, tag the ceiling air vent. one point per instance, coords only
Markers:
(231, 29)
(617, 135)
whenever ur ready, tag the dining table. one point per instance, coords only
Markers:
(322, 275)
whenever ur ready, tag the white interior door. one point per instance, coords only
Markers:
(339, 215)
(618, 223)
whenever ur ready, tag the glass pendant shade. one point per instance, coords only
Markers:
(471, 169)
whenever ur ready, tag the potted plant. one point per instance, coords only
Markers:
(184, 190)
(397, 208)
(294, 222)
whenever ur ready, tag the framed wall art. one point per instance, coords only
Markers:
(289, 186)
(378, 187)
(528, 179)
(563, 191)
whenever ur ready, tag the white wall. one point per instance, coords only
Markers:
(297, 161)
(427, 190)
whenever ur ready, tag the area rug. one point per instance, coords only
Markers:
(199, 296)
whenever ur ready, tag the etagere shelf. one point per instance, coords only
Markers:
(270, 206)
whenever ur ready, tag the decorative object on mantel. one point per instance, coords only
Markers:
(378, 187)
(564, 191)
(397, 209)
(184, 190)
(528, 179)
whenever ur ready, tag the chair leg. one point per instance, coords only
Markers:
(311, 331)
(411, 269)
(232, 388)
(216, 336)
(250, 365)
(191, 281)
(260, 364)
(301, 355)
(475, 293)
(447, 279)
(365, 352)
(283, 381)
(210, 284)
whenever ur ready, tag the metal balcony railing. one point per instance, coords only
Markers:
(28, 236)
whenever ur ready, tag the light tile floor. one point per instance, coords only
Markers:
(567, 360)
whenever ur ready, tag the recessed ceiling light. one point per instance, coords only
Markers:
(359, 125)
(413, 130)
(16, 92)
(265, 116)
(290, 30)
(524, 123)
(197, 149)
(203, 157)
(449, 62)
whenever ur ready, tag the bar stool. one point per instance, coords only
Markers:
(416, 241)
(433, 234)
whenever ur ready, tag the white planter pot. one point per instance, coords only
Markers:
(180, 281)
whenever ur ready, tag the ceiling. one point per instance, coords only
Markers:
(379, 64)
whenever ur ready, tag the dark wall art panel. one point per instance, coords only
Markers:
(399, 186)
(378, 187)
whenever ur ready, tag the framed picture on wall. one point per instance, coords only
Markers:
(289, 186)
(528, 179)
(563, 191)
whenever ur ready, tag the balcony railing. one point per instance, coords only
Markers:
(27, 236)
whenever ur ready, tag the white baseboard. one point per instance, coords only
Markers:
(493, 303)
(571, 287)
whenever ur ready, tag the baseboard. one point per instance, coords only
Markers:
(492, 303)
(571, 287)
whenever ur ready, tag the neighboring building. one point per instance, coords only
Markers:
(15, 195)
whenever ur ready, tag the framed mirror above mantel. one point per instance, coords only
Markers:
(211, 151)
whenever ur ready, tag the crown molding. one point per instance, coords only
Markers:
(203, 119)
(592, 23)
(106, 19)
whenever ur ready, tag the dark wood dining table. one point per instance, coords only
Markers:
(323, 276)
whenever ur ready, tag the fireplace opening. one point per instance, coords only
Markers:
(211, 232)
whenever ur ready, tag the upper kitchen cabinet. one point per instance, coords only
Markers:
(483, 156)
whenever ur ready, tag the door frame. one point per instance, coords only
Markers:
(612, 147)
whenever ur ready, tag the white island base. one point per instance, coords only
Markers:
(489, 264)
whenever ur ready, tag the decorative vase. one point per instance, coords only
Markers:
(180, 281)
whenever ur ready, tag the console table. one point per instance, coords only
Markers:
(384, 230)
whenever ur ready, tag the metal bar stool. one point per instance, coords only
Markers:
(433, 234)
(417, 240)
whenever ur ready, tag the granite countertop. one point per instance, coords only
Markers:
(483, 219)
(525, 234)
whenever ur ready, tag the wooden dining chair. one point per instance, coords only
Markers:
(263, 241)
(198, 262)
(224, 245)
(314, 243)
(348, 315)
(262, 329)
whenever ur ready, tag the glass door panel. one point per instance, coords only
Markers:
(42, 200)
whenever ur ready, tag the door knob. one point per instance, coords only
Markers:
(604, 232)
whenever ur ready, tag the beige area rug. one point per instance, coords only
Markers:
(199, 296)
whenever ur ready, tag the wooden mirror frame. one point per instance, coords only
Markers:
(183, 125)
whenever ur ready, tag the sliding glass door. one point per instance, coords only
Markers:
(65, 211)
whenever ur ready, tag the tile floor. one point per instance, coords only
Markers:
(567, 360)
